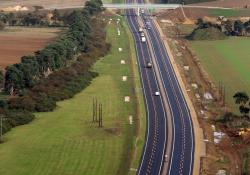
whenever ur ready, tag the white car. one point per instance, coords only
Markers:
(157, 93)
(149, 65)
(142, 34)
(165, 158)
(143, 39)
(140, 29)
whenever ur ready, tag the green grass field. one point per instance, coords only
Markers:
(66, 141)
(229, 12)
(227, 61)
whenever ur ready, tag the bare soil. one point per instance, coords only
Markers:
(43, 3)
(18, 41)
(226, 3)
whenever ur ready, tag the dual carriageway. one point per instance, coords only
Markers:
(169, 142)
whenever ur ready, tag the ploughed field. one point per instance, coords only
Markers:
(16, 42)
(226, 61)
(43, 3)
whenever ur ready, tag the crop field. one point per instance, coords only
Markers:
(226, 61)
(19, 41)
(43, 3)
(66, 141)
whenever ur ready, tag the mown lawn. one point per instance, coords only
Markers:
(66, 141)
(227, 61)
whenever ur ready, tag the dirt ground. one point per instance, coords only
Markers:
(226, 3)
(19, 41)
(44, 3)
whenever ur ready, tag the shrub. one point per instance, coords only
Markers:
(211, 33)
(2, 25)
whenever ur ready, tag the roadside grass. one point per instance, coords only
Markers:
(229, 12)
(66, 141)
(141, 113)
(226, 61)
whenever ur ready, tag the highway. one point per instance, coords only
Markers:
(182, 143)
(155, 141)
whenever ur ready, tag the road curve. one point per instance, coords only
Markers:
(155, 141)
(181, 156)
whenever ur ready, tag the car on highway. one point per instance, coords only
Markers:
(140, 29)
(165, 158)
(142, 34)
(157, 93)
(143, 39)
(149, 65)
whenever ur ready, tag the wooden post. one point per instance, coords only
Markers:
(1, 126)
(96, 113)
(93, 116)
(99, 121)
(224, 95)
(101, 116)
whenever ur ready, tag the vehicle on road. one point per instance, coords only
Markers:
(142, 34)
(165, 158)
(142, 11)
(143, 39)
(140, 29)
(149, 65)
(157, 93)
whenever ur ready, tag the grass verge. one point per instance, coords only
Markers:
(141, 113)
(66, 141)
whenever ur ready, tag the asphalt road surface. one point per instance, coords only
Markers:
(155, 141)
(182, 144)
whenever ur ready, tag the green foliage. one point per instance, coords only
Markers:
(211, 33)
(2, 25)
(39, 88)
(242, 99)
(54, 56)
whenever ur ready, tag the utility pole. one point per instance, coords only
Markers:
(224, 95)
(93, 116)
(101, 116)
(96, 109)
(99, 120)
(1, 130)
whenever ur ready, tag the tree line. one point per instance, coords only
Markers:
(228, 27)
(37, 89)
(54, 56)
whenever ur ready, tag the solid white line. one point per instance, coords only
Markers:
(185, 104)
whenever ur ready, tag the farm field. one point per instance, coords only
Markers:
(19, 41)
(43, 3)
(226, 61)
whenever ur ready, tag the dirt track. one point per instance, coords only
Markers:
(44, 3)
